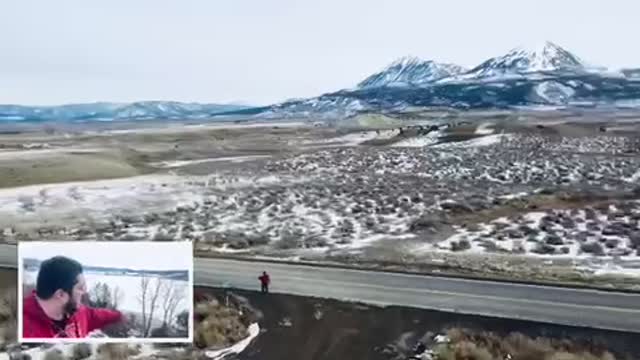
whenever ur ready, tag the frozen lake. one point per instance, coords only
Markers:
(129, 287)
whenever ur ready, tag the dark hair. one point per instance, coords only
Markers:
(58, 272)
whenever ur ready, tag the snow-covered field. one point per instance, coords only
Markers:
(29, 154)
(96, 202)
(235, 159)
(607, 233)
(201, 127)
(347, 198)
(351, 139)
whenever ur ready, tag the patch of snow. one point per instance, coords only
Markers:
(411, 71)
(635, 178)
(546, 57)
(484, 129)
(39, 153)
(441, 339)
(353, 139)
(609, 268)
(553, 92)
(234, 159)
(146, 351)
(355, 105)
(514, 196)
(78, 200)
(419, 141)
(476, 142)
(254, 330)
(39, 353)
(201, 127)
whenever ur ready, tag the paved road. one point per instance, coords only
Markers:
(606, 310)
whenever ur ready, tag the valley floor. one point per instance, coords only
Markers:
(518, 199)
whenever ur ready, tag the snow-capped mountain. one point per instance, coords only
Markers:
(326, 106)
(542, 76)
(547, 57)
(631, 73)
(114, 111)
(411, 71)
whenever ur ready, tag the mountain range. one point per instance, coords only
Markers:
(540, 77)
(105, 111)
(30, 264)
(544, 76)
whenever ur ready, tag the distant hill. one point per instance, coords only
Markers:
(105, 111)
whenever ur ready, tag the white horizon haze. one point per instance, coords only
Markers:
(264, 52)
(143, 255)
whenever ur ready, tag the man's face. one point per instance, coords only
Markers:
(70, 302)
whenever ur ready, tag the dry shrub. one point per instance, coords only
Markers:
(217, 325)
(470, 351)
(81, 351)
(116, 352)
(54, 354)
(9, 305)
(469, 345)
(8, 317)
(443, 352)
(461, 245)
(457, 334)
(522, 347)
(563, 355)
(464, 350)
(8, 331)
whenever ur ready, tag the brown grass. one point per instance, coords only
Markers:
(217, 325)
(116, 351)
(54, 354)
(81, 351)
(469, 345)
(8, 317)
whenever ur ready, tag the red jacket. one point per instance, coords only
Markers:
(36, 324)
(264, 279)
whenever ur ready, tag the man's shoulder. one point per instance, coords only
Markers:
(30, 306)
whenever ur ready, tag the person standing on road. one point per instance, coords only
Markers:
(264, 282)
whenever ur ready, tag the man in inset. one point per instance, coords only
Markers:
(264, 282)
(54, 308)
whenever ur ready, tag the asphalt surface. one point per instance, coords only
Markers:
(566, 306)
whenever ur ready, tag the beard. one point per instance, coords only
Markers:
(70, 307)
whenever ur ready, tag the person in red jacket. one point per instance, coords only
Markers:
(264, 282)
(54, 308)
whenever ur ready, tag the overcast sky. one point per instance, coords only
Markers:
(133, 255)
(264, 51)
